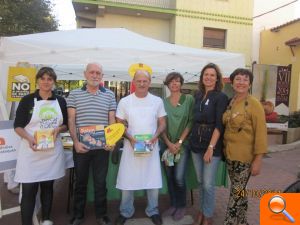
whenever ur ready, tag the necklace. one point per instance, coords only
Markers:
(232, 115)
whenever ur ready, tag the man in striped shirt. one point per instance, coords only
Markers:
(90, 105)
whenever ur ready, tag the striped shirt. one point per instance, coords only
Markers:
(91, 109)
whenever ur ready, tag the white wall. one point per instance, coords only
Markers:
(271, 19)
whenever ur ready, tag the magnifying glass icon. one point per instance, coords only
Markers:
(277, 205)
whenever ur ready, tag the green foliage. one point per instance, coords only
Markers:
(26, 17)
(294, 119)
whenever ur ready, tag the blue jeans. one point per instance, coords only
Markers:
(127, 208)
(206, 176)
(176, 180)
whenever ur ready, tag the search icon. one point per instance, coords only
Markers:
(277, 205)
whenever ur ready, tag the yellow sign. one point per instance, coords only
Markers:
(20, 82)
(139, 66)
(113, 133)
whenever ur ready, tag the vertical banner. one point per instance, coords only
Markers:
(283, 85)
(271, 85)
(20, 82)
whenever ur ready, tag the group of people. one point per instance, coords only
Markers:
(207, 126)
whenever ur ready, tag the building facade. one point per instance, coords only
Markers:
(281, 46)
(214, 24)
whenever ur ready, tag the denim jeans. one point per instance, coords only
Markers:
(206, 176)
(127, 208)
(98, 160)
(176, 180)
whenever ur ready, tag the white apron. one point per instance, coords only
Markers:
(35, 166)
(144, 172)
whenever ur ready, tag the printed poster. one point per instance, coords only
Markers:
(271, 85)
(9, 141)
(20, 82)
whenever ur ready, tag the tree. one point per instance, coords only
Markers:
(26, 17)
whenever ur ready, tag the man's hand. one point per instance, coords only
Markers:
(80, 148)
(109, 147)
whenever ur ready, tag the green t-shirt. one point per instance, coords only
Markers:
(179, 117)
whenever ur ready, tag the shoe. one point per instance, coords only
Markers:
(47, 222)
(156, 219)
(15, 190)
(76, 221)
(199, 218)
(207, 221)
(179, 214)
(169, 212)
(121, 220)
(103, 221)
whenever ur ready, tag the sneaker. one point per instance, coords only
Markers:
(47, 222)
(103, 221)
(121, 220)
(179, 214)
(156, 219)
(76, 221)
(169, 212)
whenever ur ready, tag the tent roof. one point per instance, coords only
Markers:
(116, 49)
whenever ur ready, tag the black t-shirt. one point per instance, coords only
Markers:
(25, 108)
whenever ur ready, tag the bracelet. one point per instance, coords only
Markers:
(211, 146)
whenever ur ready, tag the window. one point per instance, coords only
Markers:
(214, 38)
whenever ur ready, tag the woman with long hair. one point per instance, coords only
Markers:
(206, 140)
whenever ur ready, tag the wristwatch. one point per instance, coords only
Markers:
(180, 141)
(211, 146)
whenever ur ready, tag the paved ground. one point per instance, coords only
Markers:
(279, 170)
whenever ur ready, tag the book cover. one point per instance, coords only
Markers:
(142, 146)
(44, 139)
(92, 136)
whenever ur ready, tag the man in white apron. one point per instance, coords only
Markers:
(90, 105)
(145, 114)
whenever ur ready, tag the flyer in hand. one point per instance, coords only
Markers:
(142, 147)
(44, 139)
(92, 136)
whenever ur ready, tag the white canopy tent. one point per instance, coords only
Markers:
(115, 48)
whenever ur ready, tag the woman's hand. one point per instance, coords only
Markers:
(208, 155)
(55, 133)
(256, 166)
(31, 142)
(174, 148)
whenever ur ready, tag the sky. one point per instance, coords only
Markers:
(64, 12)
